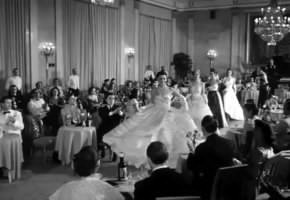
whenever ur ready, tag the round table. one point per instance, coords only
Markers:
(70, 140)
(250, 94)
(11, 155)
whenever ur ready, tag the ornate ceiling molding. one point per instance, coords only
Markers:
(196, 5)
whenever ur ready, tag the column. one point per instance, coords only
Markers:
(34, 42)
(136, 61)
(191, 39)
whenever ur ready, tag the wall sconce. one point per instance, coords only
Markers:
(46, 49)
(130, 52)
(211, 54)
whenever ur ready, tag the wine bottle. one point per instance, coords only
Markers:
(122, 168)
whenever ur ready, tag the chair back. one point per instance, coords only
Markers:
(179, 198)
(235, 182)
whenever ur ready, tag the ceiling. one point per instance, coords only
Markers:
(187, 5)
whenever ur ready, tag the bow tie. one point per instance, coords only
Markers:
(6, 112)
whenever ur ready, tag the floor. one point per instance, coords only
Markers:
(39, 180)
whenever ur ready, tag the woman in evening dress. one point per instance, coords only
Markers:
(197, 100)
(158, 121)
(232, 106)
(214, 99)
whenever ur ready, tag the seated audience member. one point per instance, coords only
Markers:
(105, 87)
(111, 115)
(132, 105)
(250, 112)
(43, 90)
(16, 97)
(149, 74)
(113, 88)
(262, 144)
(74, 83)
(128, 88)
(70, 112)
(283, 128)
(36, 111)
(89, 186)
(209, 156)
(163, 181)
(37, 105)
(93, 99)
(11, 121)
(56, 83)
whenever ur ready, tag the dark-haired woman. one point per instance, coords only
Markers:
(250, 113)
(262, 144)
(89, 186)
(158, 121)
(214, 99)
(16, 96)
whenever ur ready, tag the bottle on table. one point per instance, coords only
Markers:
(122, 168)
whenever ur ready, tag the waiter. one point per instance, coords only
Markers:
(11, 121)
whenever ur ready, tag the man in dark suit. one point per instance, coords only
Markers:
(209, 156)
(163, 181)
(111, 115)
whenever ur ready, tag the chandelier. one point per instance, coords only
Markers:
(272, 26)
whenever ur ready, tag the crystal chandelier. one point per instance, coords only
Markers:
(272, 26)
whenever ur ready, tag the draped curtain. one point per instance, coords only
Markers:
(91, 42)
(14, 24)
(155, 43)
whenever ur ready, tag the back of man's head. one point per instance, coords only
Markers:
(209, 124)
(157, 153)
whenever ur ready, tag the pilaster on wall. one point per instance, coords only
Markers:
(238, 41)
(34, 42)
(191, 39)
(59, 40)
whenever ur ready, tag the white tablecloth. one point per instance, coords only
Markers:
(250, 94)
(11, 154)
(70, 140)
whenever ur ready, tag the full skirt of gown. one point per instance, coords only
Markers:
(152, 123)
(198, 109)
(232, 106)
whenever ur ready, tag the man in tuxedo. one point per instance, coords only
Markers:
(111, 115)
(163, 181)
(209, 156)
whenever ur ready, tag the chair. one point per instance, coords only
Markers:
(44, 143)
(235, 182)
(179, 198)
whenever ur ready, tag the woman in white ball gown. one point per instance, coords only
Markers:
(197, 100)
(158, 121)
(232, 106)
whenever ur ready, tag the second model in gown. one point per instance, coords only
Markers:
(156, 122)
(232, 106)
(197, 101)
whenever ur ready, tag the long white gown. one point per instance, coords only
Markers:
(156, 122)
(197, 103)
(232, 106)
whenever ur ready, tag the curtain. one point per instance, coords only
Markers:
(14, 24)
(155, 43)
(91, 38)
